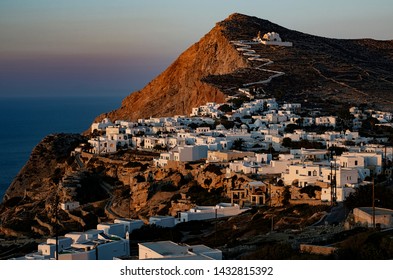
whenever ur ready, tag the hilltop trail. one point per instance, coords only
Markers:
(245, 47)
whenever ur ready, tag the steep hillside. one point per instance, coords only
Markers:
(317, 71)
(180, 87)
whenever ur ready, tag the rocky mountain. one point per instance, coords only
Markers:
(317, 71)
(180, 87)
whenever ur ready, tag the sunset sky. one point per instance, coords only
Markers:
(101, 47)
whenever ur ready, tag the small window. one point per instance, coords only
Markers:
(309, 173)
(356, 162)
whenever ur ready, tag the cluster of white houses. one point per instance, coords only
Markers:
(259, 125)
(111, 241)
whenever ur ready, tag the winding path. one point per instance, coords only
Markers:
(108, 205)
(245, 48)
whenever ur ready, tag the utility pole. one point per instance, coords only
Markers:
(331, 183)
(373, 203)
(56, 205)
(385, 162)
(215, 227)
(129, 199)
(332, 179)
(335, 181)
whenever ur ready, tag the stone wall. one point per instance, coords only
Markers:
(316, 249)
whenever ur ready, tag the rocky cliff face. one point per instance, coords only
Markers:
(45, 166)
(180, 87)
(32, 192)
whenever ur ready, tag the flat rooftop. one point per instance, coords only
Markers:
(166, 248)
(173, 251)
(378, 211)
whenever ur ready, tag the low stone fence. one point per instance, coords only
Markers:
(312, 202)
(318, 250)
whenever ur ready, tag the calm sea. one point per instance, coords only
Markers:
(25, 121)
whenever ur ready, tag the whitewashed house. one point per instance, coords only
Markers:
(371, 161)
(101, 126)
(210, 212)
(326, 121)
(129, 224)
(69, 205)
(190, 153)
(169, 250)
(102, 145)
(162, 221)
(341, 193)
(89, 245)
(302, 175)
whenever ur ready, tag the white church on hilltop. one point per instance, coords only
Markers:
(272, 39)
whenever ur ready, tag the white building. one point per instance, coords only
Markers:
(184, 153)
(309, 174)
(103, 145)
(211, 212)
(190, 153)
(101, 126)
(341, 193)
(69, 205)
(89, 245)
(105, 243)
(117, 229)
(326, 121)
(293, 107)
(272, 39)
(172, 251)
(162, 221)
(129, 224)
(363, 160)
(302, 175)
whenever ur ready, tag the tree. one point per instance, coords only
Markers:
(287, 142)
(160, 147)
(290, 128)
(238, 144)
(310, 190)
(225, 108)
(369, 123)
(280, 183)
(286, 196)
(338, 150)
(362, 197)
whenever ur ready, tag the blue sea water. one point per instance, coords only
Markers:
(25, 121)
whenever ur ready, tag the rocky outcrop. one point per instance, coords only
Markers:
(45, 166)
(180, 87)
(28, 202)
